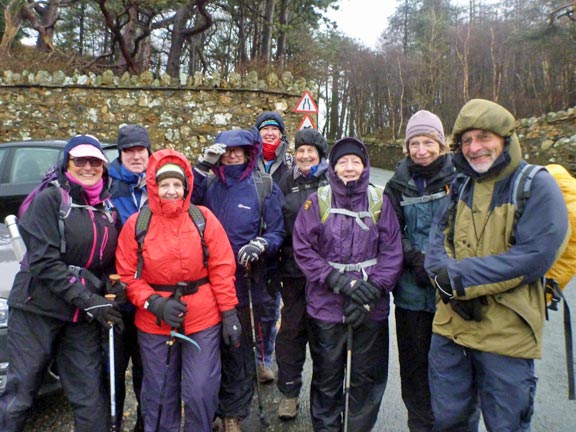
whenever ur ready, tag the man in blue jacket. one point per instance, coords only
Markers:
(128, 188)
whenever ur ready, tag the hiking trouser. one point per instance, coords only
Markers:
(33, 341)
(125, 348)
(292, 337)
(464, 380)
(239, 369)
(413, 333)
(270, 313)
(369, 374)
(192, 378)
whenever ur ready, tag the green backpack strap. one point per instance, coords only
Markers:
(375, 199)
(143, 223)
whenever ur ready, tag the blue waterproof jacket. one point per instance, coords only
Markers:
(232, 196)
(128, 190)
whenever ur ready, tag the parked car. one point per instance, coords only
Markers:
(22, 165)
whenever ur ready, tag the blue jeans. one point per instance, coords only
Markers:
(465, 381)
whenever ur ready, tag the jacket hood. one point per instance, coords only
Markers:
(487, 115)
(249, 138)
(359, 185)
(159, 159)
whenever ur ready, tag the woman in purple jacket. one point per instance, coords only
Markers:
(351, 256)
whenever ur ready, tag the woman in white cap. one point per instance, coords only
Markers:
(418, 187)
(56, 304)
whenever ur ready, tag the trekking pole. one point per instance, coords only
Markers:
(112, 364)
(170, 342)
(263, 421)
(349, 335)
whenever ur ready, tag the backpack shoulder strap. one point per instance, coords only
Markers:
(457, 187)
(375, 200)
(200, 222)
(324, 201)
(141, 228)
(264, 184)
(521, 190)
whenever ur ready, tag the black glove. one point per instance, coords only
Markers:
(443, 285)
(103, 311)
(167, 309)
(252, 251)
(469, 310)
(231, 328)
(118, 289)
(355, 314)
(358, 290)
(420, 273)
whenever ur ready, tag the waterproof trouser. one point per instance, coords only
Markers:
(413, 333)
(33, 341)
(464, 380)
(369, 374)
(270, 313)
(126, 348)
(192, 378)
(239, 368)
(292, 337)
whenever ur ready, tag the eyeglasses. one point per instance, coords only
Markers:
(81, 162)
(236, 151)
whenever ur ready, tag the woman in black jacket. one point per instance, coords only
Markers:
(56, 304)
(301, 180)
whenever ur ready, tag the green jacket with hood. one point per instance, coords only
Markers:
(488, 254)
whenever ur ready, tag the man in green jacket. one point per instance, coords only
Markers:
(487, 268)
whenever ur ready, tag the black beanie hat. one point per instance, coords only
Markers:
(133, 136)
(347, 146)
(311, 137)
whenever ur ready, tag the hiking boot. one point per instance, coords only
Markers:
(288, 408)
(265, 374)
(231, 424)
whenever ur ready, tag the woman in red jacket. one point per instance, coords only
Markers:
(176, 291)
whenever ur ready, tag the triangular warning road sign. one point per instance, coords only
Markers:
(306, 104)
(306, 123)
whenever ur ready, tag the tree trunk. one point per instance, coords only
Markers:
(266, 46)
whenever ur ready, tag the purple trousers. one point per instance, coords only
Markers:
(192, 378)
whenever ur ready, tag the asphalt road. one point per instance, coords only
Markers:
(553, 411)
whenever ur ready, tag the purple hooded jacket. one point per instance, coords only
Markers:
(341, 240)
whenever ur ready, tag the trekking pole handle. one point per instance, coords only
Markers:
(110, 297)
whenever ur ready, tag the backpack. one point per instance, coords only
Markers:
(564, 268)
(143, 223)
(375, 200)
(50, 179)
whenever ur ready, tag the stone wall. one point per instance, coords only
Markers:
(550, 138)
(182, 114)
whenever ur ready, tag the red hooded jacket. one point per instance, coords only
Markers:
(172, 253)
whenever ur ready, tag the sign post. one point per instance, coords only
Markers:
(307, 106)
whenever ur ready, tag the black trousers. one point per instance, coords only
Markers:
(125, 348)
(239, 368)
(369, 374)
(414, 333)
(33, 341)
(292, 337)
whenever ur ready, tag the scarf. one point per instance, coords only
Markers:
(269, 150)
(91, 192)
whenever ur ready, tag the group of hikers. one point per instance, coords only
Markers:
(208, 255)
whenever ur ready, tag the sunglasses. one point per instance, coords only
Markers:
(81, 162)
(236, 151)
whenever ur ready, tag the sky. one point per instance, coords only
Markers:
(365, 20)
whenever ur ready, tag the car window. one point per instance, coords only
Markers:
(30, 164)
